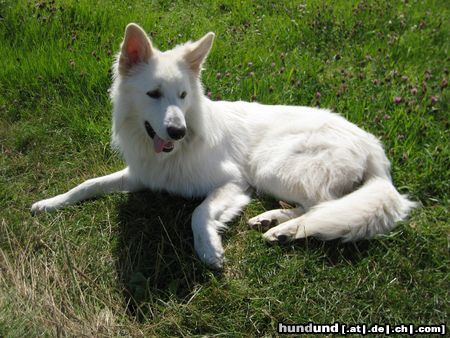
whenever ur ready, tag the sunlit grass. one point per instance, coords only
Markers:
(125, 264)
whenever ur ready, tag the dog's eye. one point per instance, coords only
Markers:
(154, 94)
(183, 95)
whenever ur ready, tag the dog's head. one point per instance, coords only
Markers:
(160, 88)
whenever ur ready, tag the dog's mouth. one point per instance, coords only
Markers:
(158, 143)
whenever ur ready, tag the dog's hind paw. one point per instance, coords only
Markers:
(283, 233)
(261, 224)
(273, 219)
(273, 238)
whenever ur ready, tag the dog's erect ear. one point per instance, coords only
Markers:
(136, 47)
(197, 52)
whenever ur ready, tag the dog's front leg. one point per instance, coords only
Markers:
(118, 181)
(209, 218)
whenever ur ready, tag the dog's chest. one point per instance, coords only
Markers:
(191, 174)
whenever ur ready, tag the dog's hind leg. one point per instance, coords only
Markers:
(272, 218)
(372, 209)
(118, 181)
(209, 218)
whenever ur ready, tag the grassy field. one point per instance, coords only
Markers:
(124, 265)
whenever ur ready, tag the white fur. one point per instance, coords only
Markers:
(337, 173)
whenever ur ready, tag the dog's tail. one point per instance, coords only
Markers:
(372, 209)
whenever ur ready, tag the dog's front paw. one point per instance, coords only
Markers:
(214, 259)
(47, 205)
(210, 251)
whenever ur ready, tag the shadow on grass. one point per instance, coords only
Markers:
(155, 254)
(156, 258)
(335, 252)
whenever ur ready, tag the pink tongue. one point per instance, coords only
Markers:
(159, 143)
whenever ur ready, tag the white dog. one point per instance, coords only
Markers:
(175, 139)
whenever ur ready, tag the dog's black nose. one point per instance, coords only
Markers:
(176, 133)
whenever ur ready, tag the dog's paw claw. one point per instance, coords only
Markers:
(282, 239)
(265, 223)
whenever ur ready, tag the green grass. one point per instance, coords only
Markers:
(124, 264)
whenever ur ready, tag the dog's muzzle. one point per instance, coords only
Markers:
(168, 146)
